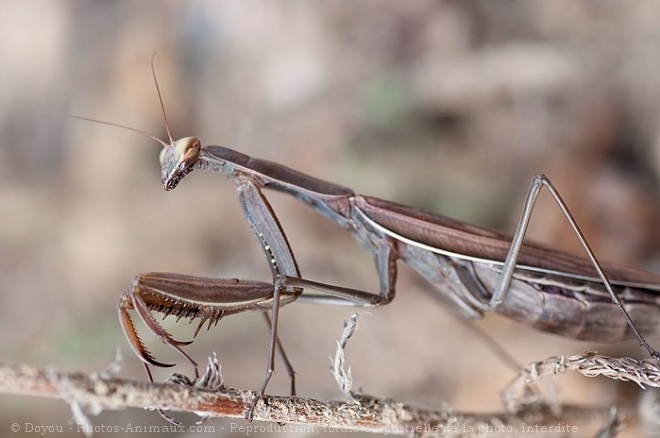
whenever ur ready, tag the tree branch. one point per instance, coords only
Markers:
(95, 392)
(528, 411)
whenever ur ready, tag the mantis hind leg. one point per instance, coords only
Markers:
(502, 288)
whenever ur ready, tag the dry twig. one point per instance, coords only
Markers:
(95, 392)
(522, 392)
(98, 391)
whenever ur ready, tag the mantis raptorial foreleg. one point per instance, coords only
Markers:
(210, 299)
(186, 297)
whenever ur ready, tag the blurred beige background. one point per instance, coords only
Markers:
(450, 106)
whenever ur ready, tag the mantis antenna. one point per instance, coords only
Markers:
(139, 131)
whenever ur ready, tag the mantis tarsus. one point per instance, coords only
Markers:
(473, 269)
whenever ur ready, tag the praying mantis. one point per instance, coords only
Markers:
(473, 269)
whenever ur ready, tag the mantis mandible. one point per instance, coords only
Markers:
(473, 269)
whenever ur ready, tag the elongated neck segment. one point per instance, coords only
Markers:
(329, 199)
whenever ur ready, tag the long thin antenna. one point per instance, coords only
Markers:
(117, 125)
(160, 97)
(102, 122)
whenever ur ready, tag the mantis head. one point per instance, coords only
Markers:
(177, 160)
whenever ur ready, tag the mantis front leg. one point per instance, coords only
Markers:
(189, 297)
(210, 299)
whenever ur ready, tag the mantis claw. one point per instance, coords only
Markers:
(135, 341)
